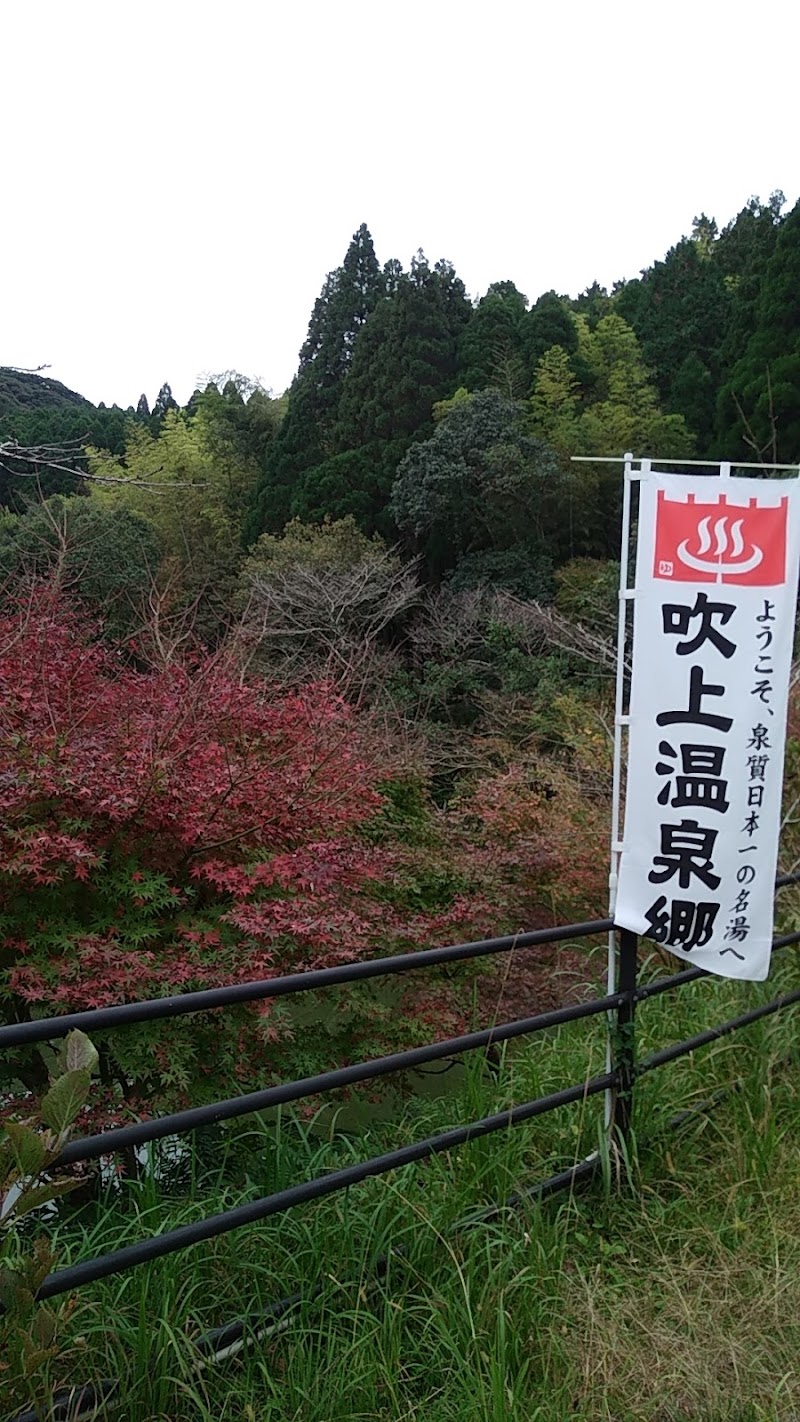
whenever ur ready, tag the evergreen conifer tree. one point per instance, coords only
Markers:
(492, 352)
(165, 401)
(405, 360)
(742, 252)
(759, 408)
(348, 295)
(548, 323)
(679, 309)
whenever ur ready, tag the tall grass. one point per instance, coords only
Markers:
(667, 1291)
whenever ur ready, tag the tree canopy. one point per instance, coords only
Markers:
(421, 414)
(482, 484)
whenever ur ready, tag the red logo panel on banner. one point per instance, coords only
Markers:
(716, 542)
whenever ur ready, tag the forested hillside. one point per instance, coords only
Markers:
(289, 679)
(36, 411)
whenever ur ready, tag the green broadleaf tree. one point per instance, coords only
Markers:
(192, 498)
(480, 485)
(105, 554)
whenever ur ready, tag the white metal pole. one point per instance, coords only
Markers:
(624, 595)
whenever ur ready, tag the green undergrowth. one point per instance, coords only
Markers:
(669, 1289)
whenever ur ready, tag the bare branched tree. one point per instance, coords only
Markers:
(541, 628)
(168, 629)
(308, 620)
(456, 626)
(246, 385)
(30, 461)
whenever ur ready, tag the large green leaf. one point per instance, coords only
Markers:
(78, 1053)
(40, 1194)
(43, 1327)
(64, 1100)
(27, 1147)
(14, 1296)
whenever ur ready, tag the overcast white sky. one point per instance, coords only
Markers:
(177, 178)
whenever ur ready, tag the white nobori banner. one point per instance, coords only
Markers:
(713, 629)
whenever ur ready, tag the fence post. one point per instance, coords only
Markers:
(625, 1044)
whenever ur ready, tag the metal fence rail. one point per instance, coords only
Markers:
(619, 1006)
(99, 1019)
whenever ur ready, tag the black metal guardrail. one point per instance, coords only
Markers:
(619, 1006)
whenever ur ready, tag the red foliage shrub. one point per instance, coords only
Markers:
(168, 829)
(536, 844)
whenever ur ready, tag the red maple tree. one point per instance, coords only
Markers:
(168, 829)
